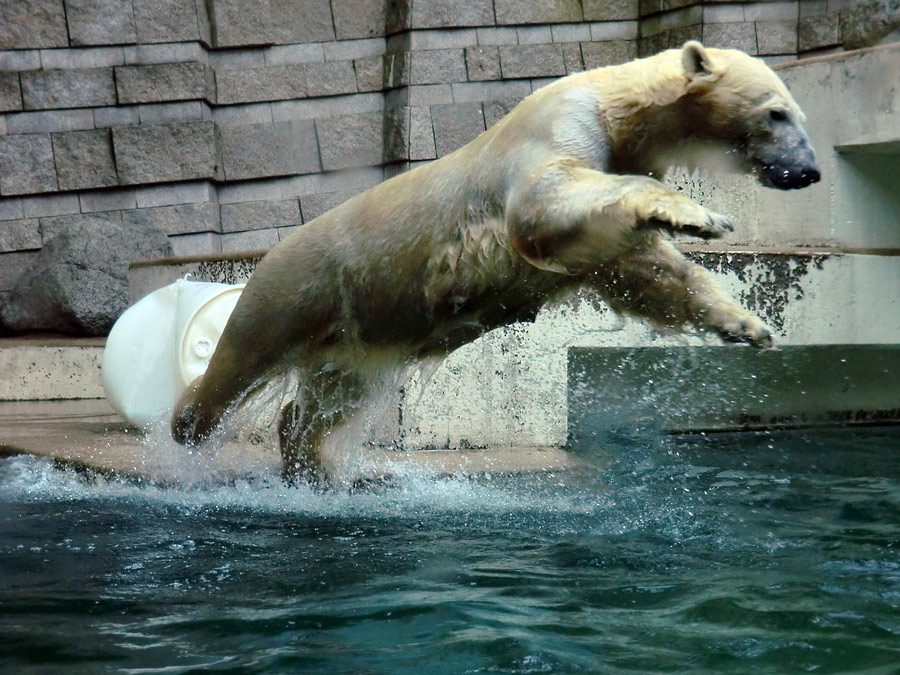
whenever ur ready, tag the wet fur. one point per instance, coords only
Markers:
(555, 196)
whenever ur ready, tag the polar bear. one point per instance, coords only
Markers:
(561, 193)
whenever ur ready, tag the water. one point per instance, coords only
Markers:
(762, 553)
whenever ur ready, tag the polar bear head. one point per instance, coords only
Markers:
(743, 102)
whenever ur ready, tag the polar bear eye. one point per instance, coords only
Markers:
(777, 115)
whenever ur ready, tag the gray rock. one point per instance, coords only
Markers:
(730, 36)
(421, 134)
(537, 11)
(369, 73)
(351, 141)
(82, 88)
(100, 22)
(166, 20)
(532, 61)
(160, 153)
(237, 23)
(299, 22)
(32, 24)
(355, 19)
(84, 159)
(396, 134)
(78, 283)
(776, 37)
(10, 93)
(455, 124)
(315, 205)
(163, 82)
(863, 24)
(26, 164)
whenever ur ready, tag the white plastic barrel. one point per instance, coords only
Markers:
(161, 344)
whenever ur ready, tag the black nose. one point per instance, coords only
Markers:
(810, 175)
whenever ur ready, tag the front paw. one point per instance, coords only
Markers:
(679, 214)
(746, 329)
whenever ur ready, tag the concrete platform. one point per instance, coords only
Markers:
(89, 435)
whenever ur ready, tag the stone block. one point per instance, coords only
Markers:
(24, 59)
(421, 134)
(369, 73)
(42, 89)
(776, 10)
(614, 30)
(166, 20)
(611, 10)
(396, 70)
(178, 219)
(253, 240)
(84, 159)
(78, 283)
(100, 22)
(443, 39)
(260, 150)
(280, 55)
(252, 113)
(45, 206)
(430, 94)
(571, 32)
(32, 24)
(330, 78)
(466, 92)
(345, 50)
(142, 55)
(609, 53)
(535, 35)
(351, 141)
(776, 37)
(237, 59)
(260, 215)
(572, 57)
(494, 111)
(160, 153)
(483, 63)
(315, 205)
(20, 235)
(497, 36)
(731, 36)
(437, 66)
(261, 84)
(532, 61)
(10, 92)
(451, 13)
(169, 195)
(196, 244)
(300, 22)
(455, 125)
(678, 36)
(179, 111)
(396, 134)
(95, 57)
(236, 23)
(511, 12)
(818, 31)
(358, 18)
(115, 117)
(730, 13)
(11, 208)
(163, 82)
(26, 165)
(95, 201)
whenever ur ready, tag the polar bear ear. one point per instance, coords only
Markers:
(695, 60)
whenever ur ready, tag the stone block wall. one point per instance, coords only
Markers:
(229, 123)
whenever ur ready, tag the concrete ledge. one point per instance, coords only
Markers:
(41, 368)
(694, 389)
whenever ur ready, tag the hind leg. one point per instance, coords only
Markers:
(322, 403)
